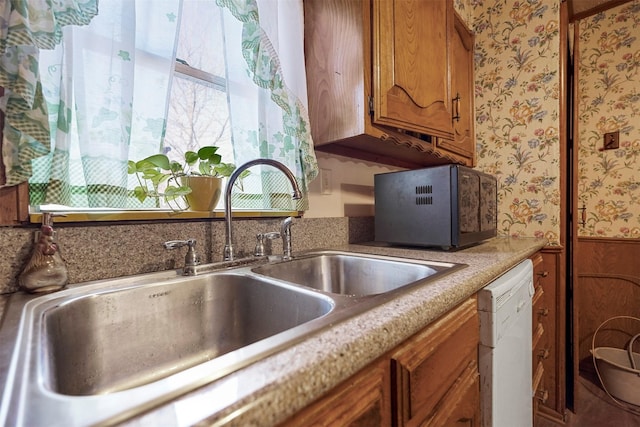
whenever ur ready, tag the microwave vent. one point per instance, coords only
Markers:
(422, 197)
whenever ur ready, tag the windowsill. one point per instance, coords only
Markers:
(146, 215)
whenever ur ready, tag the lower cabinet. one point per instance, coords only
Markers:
(435, 372)
(363, 400)
(548, 339)
(431, 379)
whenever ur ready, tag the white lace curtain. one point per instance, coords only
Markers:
(106, 89)
(268, 105)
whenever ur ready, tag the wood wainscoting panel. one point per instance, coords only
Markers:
(607, 284)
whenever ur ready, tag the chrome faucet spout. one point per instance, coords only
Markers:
(297, 194)
(285, 232)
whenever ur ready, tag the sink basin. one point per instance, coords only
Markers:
(97, 353)
(353, 274)
(119, 340)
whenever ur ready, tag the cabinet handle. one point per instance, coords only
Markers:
(456, 108)
(542, 395)
(543, 354)
(583, 215)
(543, 311)
(543, 273)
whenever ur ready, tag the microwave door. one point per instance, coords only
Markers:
(468, 203)
(488, 203)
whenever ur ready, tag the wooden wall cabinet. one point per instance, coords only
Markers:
(548, 338)
(380, 80)
(462, 90)
(411, 89)
(431, 379)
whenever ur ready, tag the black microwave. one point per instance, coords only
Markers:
(447, 206)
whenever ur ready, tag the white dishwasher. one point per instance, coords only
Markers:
(505, 349)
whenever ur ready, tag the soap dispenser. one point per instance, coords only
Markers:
(45, 271)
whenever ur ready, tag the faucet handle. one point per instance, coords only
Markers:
(260, 238)
(191, 259)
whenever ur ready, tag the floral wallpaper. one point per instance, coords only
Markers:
(463, 8)
(609, 100)
(517, 111)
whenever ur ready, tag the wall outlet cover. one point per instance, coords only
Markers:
(611, 140)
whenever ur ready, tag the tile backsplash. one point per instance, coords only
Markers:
(101, 251)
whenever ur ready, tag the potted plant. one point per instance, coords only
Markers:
(198, 180)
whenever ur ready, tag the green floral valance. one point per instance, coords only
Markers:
(266, 72)
(28, 26)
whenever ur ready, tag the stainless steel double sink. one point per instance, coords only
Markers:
(103, 351)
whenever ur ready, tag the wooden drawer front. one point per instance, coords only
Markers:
(459, 407)
(363, 400)
(435, 367)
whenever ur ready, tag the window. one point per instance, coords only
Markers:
(169, 76)
(198, 112)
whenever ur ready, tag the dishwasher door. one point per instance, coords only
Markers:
(505, 349)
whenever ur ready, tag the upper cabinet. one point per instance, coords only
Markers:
(410, 66)
(462, 85)
(390, 81)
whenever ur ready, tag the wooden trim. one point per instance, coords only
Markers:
(14, 201)
(562, 127)
(555, 249)
(575, 357)
(617, 240)
(597, 9)
(14, 204)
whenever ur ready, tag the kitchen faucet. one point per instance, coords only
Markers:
(297, 194)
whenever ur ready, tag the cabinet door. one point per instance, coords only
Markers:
(436, 372)
(463, 410)
(363, 400)
(462, 91)
(411, 88)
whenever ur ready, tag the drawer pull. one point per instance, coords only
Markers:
(542, 395)
(543, 311)
(543, 273)
(544, 354)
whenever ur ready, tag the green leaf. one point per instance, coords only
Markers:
(176, 167)
(151, 174)
(209, 153)
(191, 157)
(131, 167)
(140, 193)
(157, 161)
(225, 169)
(172, 192)
(204, 168)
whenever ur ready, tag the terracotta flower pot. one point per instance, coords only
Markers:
(205, 192)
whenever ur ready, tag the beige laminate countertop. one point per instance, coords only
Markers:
(271, 390)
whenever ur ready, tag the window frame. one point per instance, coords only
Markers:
(14, 201)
